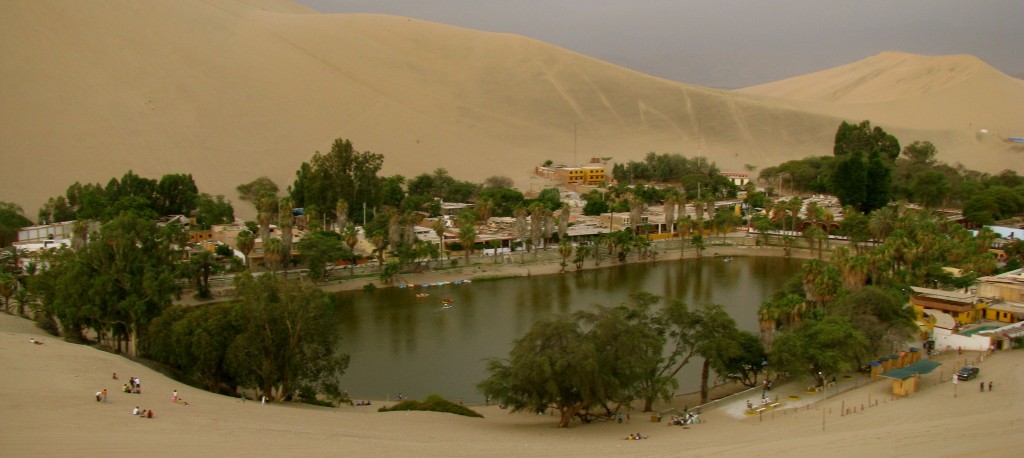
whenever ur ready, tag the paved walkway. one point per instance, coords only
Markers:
(786, 395)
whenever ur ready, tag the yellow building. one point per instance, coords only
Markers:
(964, 308)
(586, 175)
(1006, 294)
(1007, 312)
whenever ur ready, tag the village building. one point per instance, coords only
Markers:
(590, 175)
(1006, 293)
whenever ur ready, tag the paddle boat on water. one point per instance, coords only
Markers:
(422, 295)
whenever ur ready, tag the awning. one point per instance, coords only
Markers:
(923, 366)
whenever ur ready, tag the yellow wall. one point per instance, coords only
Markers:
(998, 315)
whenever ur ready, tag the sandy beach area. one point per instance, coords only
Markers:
(50, 410)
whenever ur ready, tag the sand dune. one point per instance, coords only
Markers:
(229, 91)
(49, 410)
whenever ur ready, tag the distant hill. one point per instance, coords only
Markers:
(231, 90)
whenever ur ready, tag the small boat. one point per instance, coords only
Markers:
(447, 300)
(446, 306)
(422, 295)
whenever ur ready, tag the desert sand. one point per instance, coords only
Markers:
(50, 410)
(232, 90)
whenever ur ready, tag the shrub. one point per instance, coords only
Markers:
(433, 403)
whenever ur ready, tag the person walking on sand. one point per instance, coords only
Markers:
(981, 387)
(990, 386)
(174, 397)
(104, 395)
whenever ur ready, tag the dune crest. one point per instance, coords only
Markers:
(887, 76)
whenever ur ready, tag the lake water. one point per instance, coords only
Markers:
(403, 344)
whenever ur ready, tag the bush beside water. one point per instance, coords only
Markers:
(433, 403)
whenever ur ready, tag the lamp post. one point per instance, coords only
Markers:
(822, 377)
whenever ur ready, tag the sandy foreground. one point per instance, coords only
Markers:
(50, 410)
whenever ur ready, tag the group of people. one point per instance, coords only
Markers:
(982, 386)
(360, 403)
(133, 386)
(177, 399)
(687, 419)
(101, 396)
(142, 413)
(635, 437)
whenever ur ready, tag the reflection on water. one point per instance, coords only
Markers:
(403, 344)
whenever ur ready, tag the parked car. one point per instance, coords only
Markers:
(967, 373)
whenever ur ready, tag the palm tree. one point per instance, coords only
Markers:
(582, 253)
(273, 254)
(246, 242)
(484, 208)
(636, 208)
(882, 223)
(341, 215)
(794, 207)
(670, 212)
(80, 229)
(537, 216)
(467, 233)
(521, 227)
(394, 230)
(351, 237)
(828, 219)
(9, 284)
(287, 220)
(380, 243)
(563, 223)
(685, 225)
(439, 229)
(564, 249)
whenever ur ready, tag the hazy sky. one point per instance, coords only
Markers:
(735, 43)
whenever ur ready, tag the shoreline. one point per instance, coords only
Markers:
(547, 263)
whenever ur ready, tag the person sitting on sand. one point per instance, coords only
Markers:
(135, 411)
(149, 414)
(33, 340)
(142, 413)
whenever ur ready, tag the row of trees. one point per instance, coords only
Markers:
(279, 338)
(868, 170)
(697, 177)
(591, 364)
(172, 194)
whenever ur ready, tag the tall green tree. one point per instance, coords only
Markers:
(12, 218)
(821, 348)
(288, 339)
(341, 173)
(246, 243)
(213, 210)
(176, 194)
(552, 366)
(116, 284)
(717, 340)
(319, 250)
(467, 233)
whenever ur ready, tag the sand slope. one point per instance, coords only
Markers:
(49, 410)
(231, 90)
